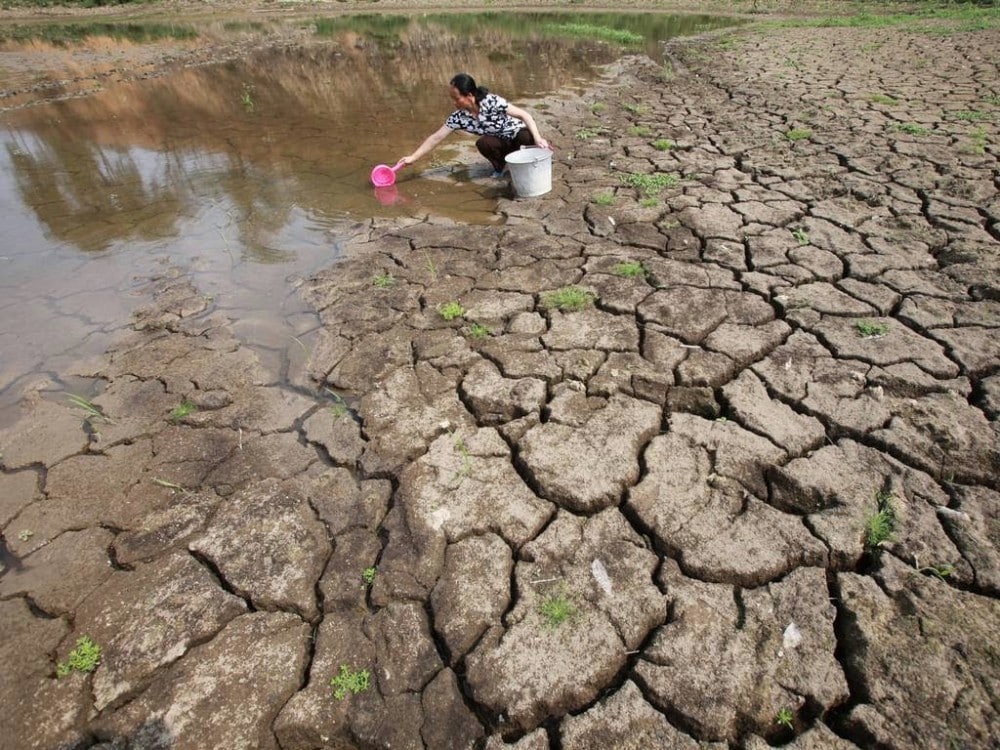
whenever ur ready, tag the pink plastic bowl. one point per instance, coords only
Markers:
(384, 176)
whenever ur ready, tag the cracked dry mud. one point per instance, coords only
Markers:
(689, 464)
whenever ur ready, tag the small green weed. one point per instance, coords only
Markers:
(785, 718)
(568, 299)
(182, 410)
(466, 468)
(451, 310)
(663, 144)
(557, 608)
(93, 413)
(25, 534)
(246, 98)
(881, 524)
(993, 99)
(882, 99)
(383, 280)
(941, 571)
(350, 681)
(604, 199)
(798, 134)
(801, 236)
(911, 128)
(649, 201)
(84, 658)
(650, 184)
(630, 269)
(368, 576)
(640, 130)
(666, 74)
(598, 107)
(339, 407)
(868, 329)
(477, 331)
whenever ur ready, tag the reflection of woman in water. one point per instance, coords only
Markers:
(502, 127)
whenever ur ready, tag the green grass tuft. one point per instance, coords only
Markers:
(451, 310)
(650, 184)
(568, 299)
(350, 681)
(556, 609)
(630, 269)
(869, 329)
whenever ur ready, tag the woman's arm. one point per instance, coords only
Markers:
(428, 145)
(528, 120)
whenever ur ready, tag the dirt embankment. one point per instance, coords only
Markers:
(744, 491)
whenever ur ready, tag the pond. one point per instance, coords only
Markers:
(244, 174)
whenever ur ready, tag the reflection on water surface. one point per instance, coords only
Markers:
(242, 172)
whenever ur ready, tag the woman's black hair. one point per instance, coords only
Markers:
(466, 84)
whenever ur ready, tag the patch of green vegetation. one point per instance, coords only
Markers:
(84, 658)
(598, 107)
(451, 310)
(590, 31)
(556, 609)
(630, 269)
(663, 144)
(640, 130)
(62, 35)
(350, 681)
(586, 133)
(383, 280)
(971, 115)
(929, 19)
(869, 329)
(911, 128)
(977, 142)
(785, 718)
(651, 184)
(882, 99)
(568, 299)
(635, 109)
(666, 74)
(25, 534)
(368, 576)
(798, 134)
(993, 99)
(182, 410)
(649, 201)
(477, 331)
(801, 236)
(880, 525)
(604, 199)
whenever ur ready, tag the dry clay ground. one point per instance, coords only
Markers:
(685, 467)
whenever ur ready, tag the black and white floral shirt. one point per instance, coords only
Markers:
(493, 119)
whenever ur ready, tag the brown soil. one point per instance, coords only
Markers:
(650, 522)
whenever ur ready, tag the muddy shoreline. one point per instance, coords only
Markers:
(736, 489)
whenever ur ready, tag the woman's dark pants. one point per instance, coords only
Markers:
(495, 148)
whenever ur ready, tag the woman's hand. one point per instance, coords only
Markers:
(542, 143)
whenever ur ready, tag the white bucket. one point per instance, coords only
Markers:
(530, 171)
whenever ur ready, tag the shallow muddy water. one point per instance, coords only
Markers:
(244, 174)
